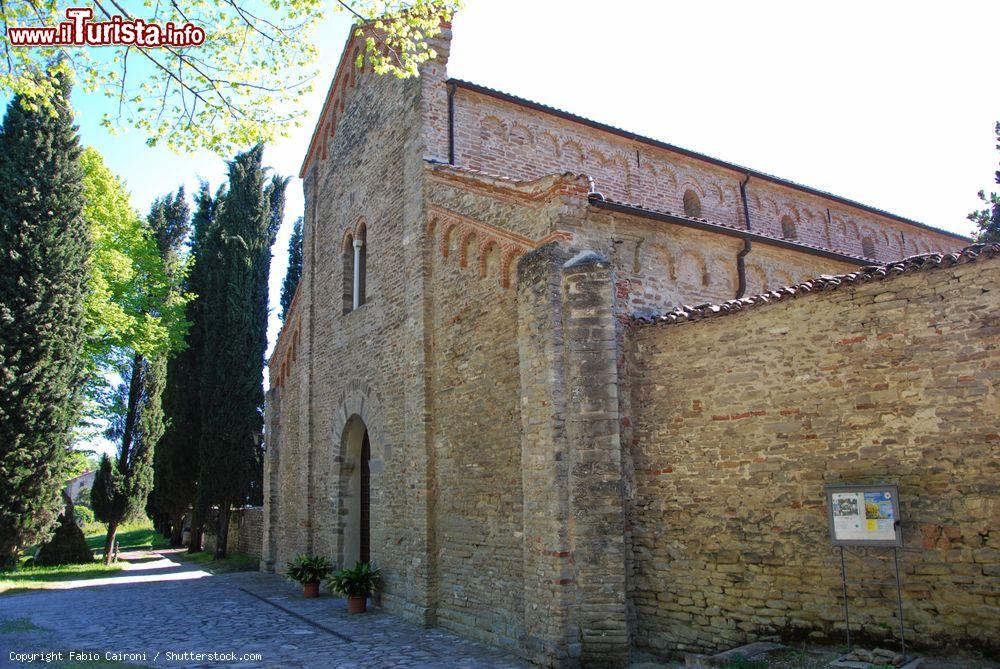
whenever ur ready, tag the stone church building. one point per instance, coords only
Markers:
(489, 385)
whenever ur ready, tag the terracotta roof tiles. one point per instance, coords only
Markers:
(826, 283)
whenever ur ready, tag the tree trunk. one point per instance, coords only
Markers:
(8, 555)
(177, 529)
(194, 545)
(222, 536)
(109, 541)
(132, 415)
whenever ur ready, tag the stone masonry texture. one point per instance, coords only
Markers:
(246, 528)
(545, 473)
(741, 420)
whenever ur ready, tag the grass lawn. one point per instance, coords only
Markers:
(23, 579)
(131, 536)
(230, 563)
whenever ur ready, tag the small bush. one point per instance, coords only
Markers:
(360, 581)
(308, 569)
(67, 546)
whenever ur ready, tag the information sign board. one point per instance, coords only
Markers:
(864, 515)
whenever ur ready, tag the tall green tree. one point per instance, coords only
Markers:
(987, 220)
(122, 486)
(128, 305)
(246, 82)
(176, 456)
(135, 412)
(46, 245)
(274, 194)
(232, 394)
(170, 218)
(294, 271)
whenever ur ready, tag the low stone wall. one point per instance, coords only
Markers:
(246, 527)
(740, 421)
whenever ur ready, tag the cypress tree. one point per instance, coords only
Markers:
(232, 393)
(45, 244)
(121, 488)
(176, 457)
(294, 272)
(274, 193)
(169, 218)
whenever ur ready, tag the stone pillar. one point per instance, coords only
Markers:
(574, 545)
(549, 639)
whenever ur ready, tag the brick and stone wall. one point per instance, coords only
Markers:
(246, 527)
(473, 415)
(534, 483)
(739, 422)
(659, 266)
(509, 139)
(331, 367)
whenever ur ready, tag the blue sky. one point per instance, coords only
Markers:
(889, 103)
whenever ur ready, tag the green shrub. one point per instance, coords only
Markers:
(67, 546)
(84, 515)
(308, 569)
(360, 581)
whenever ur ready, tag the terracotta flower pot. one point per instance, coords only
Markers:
(356, 604)
(310, 590)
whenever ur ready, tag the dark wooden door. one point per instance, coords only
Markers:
(366, 494)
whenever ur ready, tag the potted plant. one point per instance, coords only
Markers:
(308, 570)
(356, 584)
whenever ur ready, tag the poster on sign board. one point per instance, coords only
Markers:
(864, 515)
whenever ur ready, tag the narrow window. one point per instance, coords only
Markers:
(361, 266)
(355, 258)
(867, 247)
(348, 260)
(788, 230)
(692, 205)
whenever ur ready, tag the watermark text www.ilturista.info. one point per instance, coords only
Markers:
(80, 30)
(84, 657)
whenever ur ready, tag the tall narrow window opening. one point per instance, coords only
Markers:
(867, 247)
(692, 204)
(348, 256)
(360, 266)
(788, 230)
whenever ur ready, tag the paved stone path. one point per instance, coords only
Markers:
(163, 605)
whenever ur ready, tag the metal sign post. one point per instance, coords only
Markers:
(866, 515)
(899, 602)
(847, 616)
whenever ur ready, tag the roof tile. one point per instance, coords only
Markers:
(826, 282)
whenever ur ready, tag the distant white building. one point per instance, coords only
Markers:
(80, 485)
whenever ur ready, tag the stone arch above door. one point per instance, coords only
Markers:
(361, 399)
(359, 405)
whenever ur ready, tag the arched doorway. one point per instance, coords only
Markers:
(355, 494)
